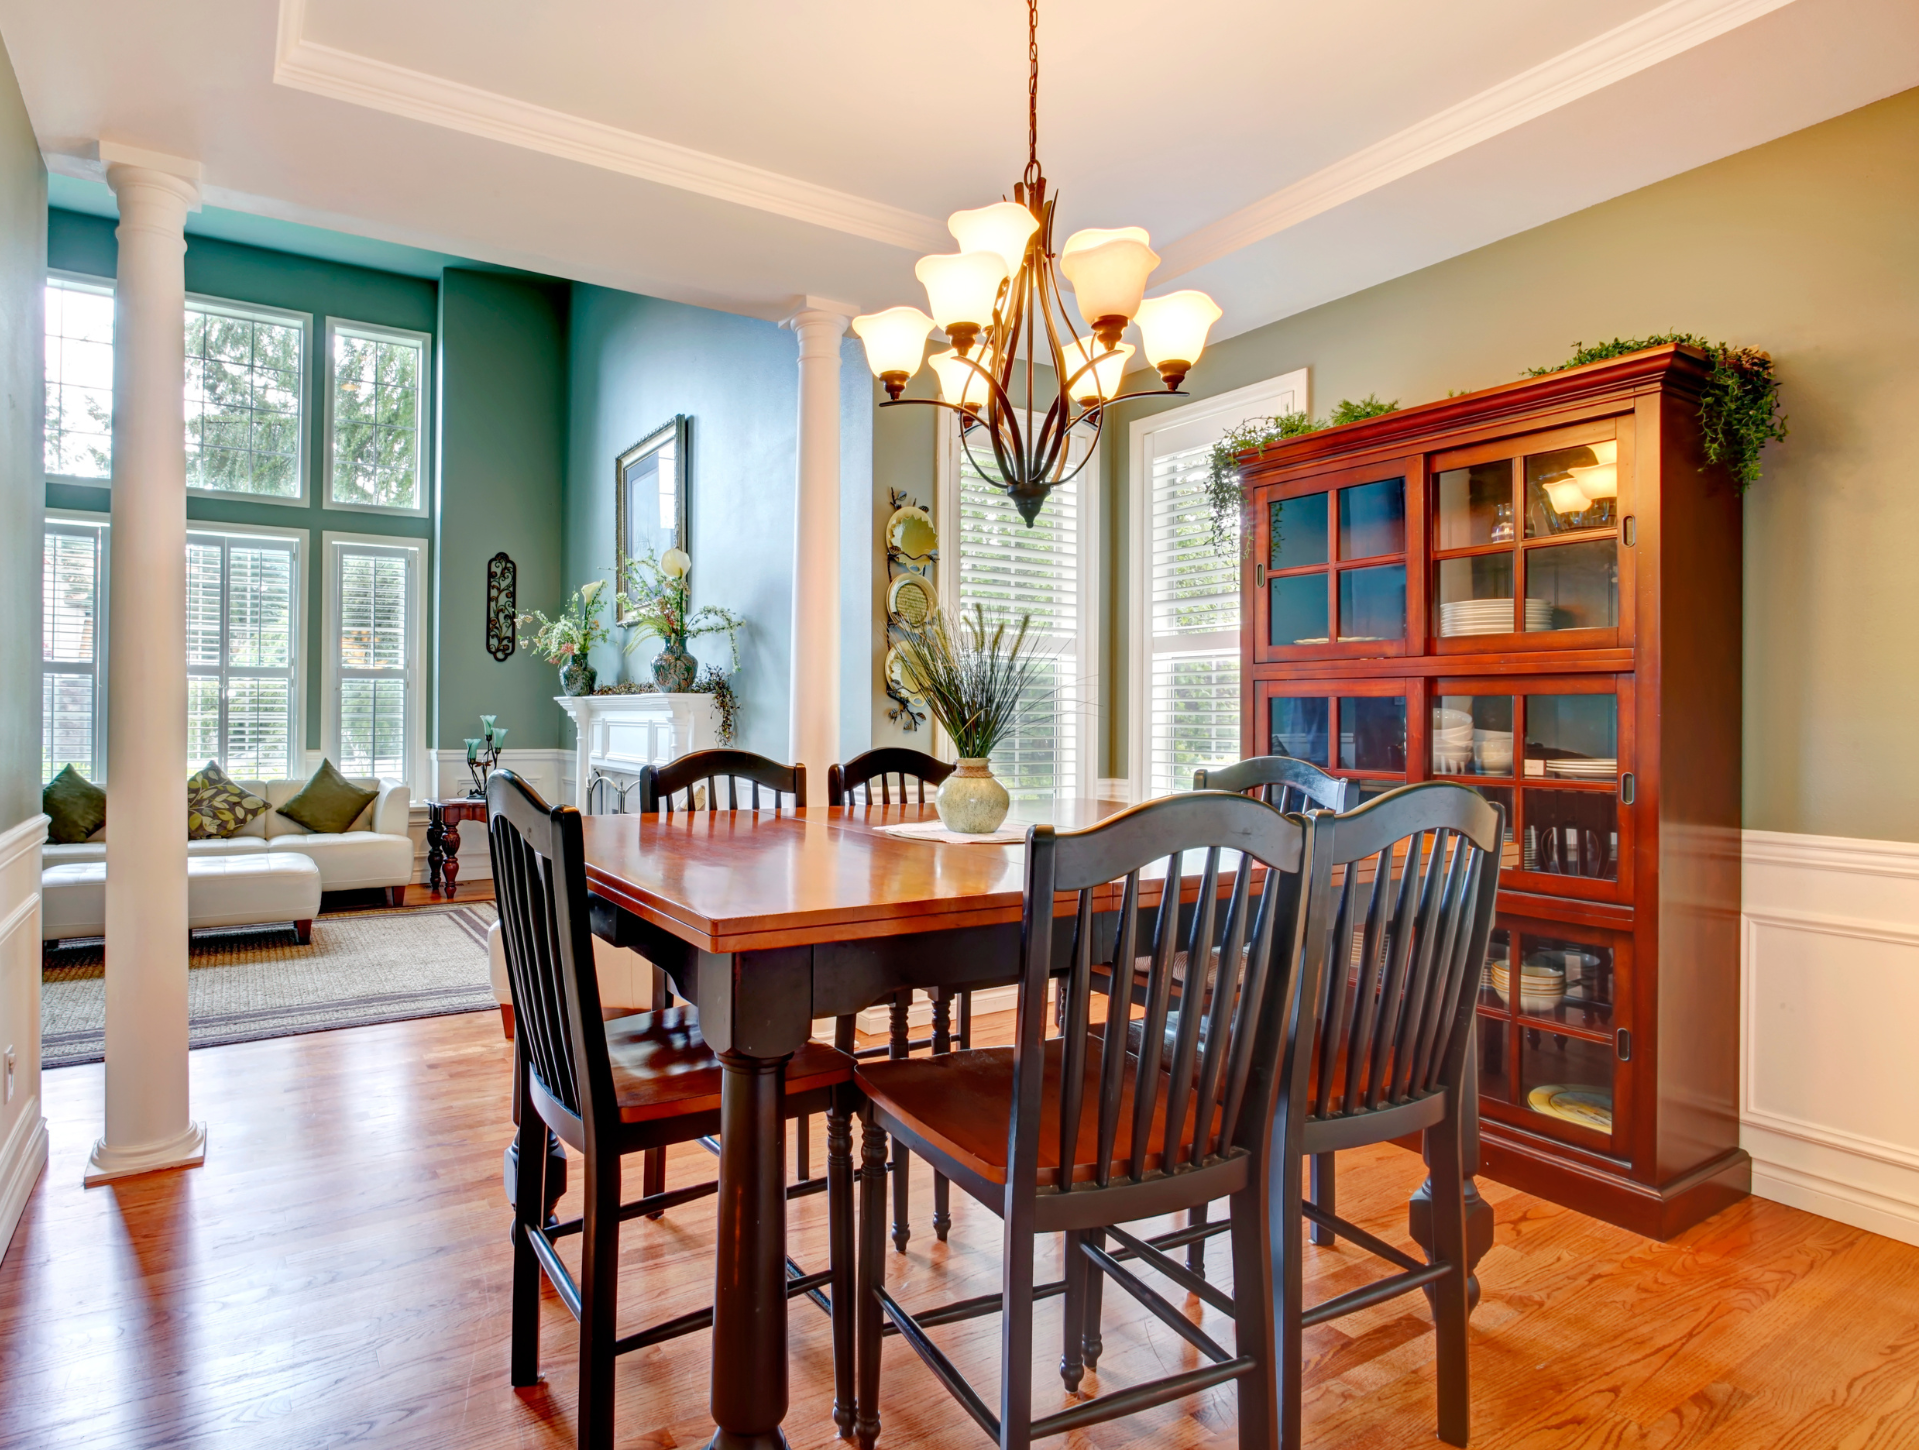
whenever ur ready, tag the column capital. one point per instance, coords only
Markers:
(811, 312)
(128, 167)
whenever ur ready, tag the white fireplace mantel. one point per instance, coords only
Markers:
(620, 733)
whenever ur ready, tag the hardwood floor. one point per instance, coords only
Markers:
(337, 1275)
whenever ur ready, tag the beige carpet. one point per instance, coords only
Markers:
(247, 983)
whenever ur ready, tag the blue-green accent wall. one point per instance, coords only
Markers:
(23, 260)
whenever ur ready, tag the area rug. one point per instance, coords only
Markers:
(251, 982)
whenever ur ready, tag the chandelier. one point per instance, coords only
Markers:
(999, 301)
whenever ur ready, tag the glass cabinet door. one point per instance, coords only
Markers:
(1331, 567)
(1355, 729)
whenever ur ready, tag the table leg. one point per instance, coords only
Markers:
(749, 1387)
(450, 855)
(436, 851)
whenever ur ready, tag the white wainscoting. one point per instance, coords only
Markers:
(1830, 994)
(23, 1131)
(548, 771)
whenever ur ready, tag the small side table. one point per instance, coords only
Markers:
(443, 839)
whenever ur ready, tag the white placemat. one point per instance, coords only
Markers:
(1007, 835)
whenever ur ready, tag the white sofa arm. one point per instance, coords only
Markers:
(392, 810)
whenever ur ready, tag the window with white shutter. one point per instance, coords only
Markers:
(243, 652)
(73, 649)
(373, 675)
(991, 558)
(1185, 612)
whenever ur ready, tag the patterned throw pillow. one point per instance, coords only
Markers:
(216, 806)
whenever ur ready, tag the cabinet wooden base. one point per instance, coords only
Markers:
(1657, 1212)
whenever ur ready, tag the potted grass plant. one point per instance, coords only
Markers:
(978, 681)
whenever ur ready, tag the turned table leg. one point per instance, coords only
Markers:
(749, 1385)
(450, 852)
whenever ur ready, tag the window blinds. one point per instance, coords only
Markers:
(372, 665)
(70, 652)
(241, 655)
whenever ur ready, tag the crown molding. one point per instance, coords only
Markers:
(1607, 59)
(323, 70)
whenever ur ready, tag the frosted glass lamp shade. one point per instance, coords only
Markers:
(895, 340)
(1004, 227)
(1108, 270)
(960, 385)
(1566, 496)
(1173, 330)
(1602, 478)
(961, 290)
(1100, 382)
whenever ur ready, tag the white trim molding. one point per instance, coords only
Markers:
(1830, 991)
(23, 1129)
(360, 80)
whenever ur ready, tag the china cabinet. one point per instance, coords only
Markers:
(1535, 590)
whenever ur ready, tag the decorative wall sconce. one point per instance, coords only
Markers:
(502, 579)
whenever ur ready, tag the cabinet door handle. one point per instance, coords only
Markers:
(1627, 531)
(1626, 788)
(1623, 1045)
(1259, 576)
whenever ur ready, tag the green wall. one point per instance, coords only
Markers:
(1805, 247)
(23, 260)
(502, 450)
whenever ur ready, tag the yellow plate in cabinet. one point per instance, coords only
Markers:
(1571, 1103)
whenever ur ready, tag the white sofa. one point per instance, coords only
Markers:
(375, 851)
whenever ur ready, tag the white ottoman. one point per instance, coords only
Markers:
(246, 890)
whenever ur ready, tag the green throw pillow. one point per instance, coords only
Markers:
(328, 803)
(77, 806)
(217, 805)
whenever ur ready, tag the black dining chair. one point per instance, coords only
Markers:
(1074, 1133)
(636, 1084)
(902, 776)
(1286, 784)
(1399, 906)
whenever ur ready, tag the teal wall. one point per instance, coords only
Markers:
(503, 444)
(23, 241)
(82, 243)
(634, 362)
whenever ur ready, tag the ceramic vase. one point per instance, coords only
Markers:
(674, 668)
(971, 802)
(577, 677)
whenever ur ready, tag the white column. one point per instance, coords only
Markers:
(147, 1125)
(814, 733)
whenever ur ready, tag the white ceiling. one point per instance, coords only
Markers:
(742, 153)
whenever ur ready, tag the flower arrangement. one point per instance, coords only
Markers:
(658, 602)
(978, 682)
(577, 629)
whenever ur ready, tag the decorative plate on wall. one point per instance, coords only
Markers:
(910, 533)
(910, 599)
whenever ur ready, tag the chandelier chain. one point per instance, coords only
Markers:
(1033, 93)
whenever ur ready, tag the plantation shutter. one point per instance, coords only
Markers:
(372, 666)
(1193, 607)
(73, 606)
(242, 654)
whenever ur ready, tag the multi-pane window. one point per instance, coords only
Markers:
(72, 669)
(372, 592)
(243, 391)
(79, 379)
(1043, 572)
(243, 653)
(378, 379)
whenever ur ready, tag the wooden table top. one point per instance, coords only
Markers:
(731, 881)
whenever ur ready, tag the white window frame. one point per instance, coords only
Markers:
(86, 282)
(378, 333)
(332, 543)
(201, 529)
(68, 521)
(256, 312)
(1175, 431)
(1090, 707)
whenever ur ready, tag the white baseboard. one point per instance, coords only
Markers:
(1830, 990)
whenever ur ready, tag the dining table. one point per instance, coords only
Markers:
(768, 921)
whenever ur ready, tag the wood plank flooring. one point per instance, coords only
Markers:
(337, 1274)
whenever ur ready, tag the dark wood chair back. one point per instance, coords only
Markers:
(1215, 1075)
(1282, 782)
(540, 890)
(895, 767)
(1398, 911)
(659, 784)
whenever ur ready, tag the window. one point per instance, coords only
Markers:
(375, 417)
(79, 379)
(375, 721)
(1046, 571)
(243, 652)
(1185, 679)
(73, 649)
(244, 384)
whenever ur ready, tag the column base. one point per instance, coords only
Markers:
(188, 1150)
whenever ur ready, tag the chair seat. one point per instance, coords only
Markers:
(960, 1103)
(663, 1068)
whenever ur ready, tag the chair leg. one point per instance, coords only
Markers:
(1197, 1250)
(1283, 1200)
(1073, 1317)
(1016, 1332)
(1320, 1191)
(1090, 1345)
(868, 1315)
(942, 1042)
(599, 1293)
(1447, 1174)
(897, 1038)
(840, 1249)
(803, 1149)
(1255, 1330)
(653, 1174)
(529, 1193)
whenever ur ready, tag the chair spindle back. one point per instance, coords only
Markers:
(1283, 782)
(659, 784)
(903, 776)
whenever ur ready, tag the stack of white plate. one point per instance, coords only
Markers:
(1542, 987)
(1584, 769)
(1491, 616)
